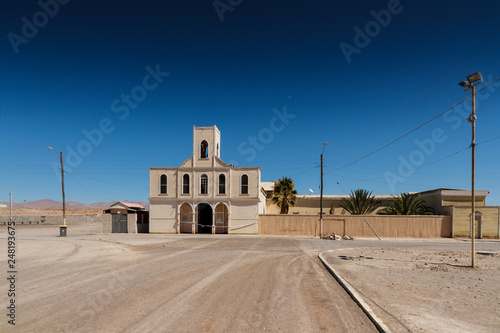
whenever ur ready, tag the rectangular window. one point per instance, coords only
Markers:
(185, 184)
(244, 184)
(222, 184)
(204, 184)
(163, 184)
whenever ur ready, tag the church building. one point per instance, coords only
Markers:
(204, 194)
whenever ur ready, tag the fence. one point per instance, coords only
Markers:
(354, 225)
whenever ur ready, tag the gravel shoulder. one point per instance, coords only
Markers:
(425, 290)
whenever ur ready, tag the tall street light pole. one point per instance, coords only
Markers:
(472, 81)
(321, 196)
(63, 233)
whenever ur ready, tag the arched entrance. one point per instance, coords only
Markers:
(204, 212)
(221, 219)
(186, 218)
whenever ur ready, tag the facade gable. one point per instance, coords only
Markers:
(187, 163)
(220, 163)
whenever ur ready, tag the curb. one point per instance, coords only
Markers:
(355, 296)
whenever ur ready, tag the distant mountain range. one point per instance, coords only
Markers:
(47, 203)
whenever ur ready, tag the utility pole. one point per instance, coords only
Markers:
(473, 146)
(63, 195)
(62, 228)
(472, 81)
(321, 196)
(10, 196)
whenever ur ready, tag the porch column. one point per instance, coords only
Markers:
(213, 222)
(178, 228)
(193, 227)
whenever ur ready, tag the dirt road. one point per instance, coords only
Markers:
(160, 283)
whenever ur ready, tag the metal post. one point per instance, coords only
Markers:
(63, 195)
(473, 80)
(321, 202)
(62, 228)
(10, 195)
(371, 228)
(473, 146)
(321, 196)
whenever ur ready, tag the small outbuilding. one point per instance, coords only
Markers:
(127, 217)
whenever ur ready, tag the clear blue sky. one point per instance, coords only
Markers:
(355, 74)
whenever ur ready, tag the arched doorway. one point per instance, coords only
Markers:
(204, 218)
(221, 219)
(186, 218)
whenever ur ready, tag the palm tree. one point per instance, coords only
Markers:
(284, 195)
(407, 204)
(360, 202)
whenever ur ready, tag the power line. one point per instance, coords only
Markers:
(430, 163)
(314, 167)
(331, 175)
(425, 88)
(413, 130)
(498, 137)
(99, 195)
(108, 182)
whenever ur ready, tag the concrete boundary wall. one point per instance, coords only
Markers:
(354, 225)
(57, 220)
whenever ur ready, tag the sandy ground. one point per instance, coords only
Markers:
(422, 290)
(49, 212)
(89, 282)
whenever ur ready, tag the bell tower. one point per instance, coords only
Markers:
(206, 146)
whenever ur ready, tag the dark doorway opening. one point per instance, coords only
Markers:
(204, 219)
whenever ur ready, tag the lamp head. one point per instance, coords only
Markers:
(474, 77)
(472, 118)
(465, 84)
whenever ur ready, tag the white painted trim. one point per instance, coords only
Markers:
(182, 203)
(224, 203)
(203, 202)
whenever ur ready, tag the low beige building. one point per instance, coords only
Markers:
(310, 205)
(126, 217)
(447, 202)
(457, 203)
(204, 194)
